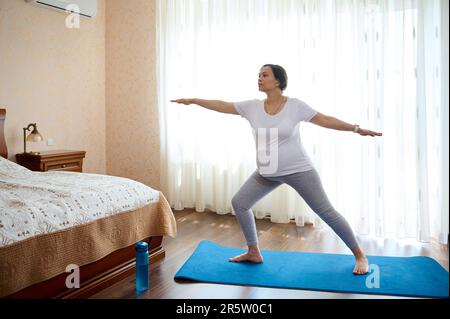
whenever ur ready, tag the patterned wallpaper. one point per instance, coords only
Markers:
(53, 76)
(92, 88)
(132, 144)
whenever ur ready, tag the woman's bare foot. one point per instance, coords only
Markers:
(253, 255)
(247, 257)
(362, 265)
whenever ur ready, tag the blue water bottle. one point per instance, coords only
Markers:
(141, 266)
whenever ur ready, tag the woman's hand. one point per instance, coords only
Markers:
(183, 101)
(364, 132)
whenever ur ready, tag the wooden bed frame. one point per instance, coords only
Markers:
(95, 276)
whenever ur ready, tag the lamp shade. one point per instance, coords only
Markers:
(34, 136)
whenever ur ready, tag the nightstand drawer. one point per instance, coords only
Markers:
(73, 166)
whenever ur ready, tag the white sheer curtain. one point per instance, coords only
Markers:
(380, 63)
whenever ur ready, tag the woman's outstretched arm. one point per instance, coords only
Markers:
(215, 105)
(336, 124)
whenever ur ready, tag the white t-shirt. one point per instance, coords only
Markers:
(279, 150)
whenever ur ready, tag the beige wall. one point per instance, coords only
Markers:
(91, 88)
(132, 144)
(54, 76)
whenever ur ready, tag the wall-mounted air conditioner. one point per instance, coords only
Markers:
(86, 8)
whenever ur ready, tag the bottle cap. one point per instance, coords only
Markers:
(141, 246)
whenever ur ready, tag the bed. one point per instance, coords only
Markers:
(50, 220)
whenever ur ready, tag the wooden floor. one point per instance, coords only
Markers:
(194, 227)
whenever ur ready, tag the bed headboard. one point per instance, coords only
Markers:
(3, 148)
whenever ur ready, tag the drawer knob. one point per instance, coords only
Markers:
(64, 165)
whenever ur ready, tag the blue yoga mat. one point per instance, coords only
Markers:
(401, 276)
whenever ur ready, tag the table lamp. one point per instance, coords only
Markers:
(34, 136)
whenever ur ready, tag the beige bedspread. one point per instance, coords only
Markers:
(39, 258)
(78, 231)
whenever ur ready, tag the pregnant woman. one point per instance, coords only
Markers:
(280, 116)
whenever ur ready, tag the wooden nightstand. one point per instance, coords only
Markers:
(58, 160)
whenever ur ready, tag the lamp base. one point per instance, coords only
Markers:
(32, 153)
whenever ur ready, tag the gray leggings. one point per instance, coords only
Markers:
(309, 187)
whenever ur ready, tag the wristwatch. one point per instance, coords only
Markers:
(355, 128)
